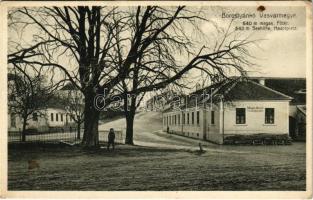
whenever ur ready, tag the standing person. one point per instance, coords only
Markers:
(111, 138)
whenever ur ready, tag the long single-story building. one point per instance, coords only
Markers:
(233, 107)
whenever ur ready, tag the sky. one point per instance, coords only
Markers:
(278, 54)
(281, 53)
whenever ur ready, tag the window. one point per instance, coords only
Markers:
(56, 117)
(192, 118)
(269, 115)
(35, 117)
(198, 117)
(240, 115)
(183, 118)
(13, 120)
(212, 117)
(52, 117)
(187, 118)
(61, 117)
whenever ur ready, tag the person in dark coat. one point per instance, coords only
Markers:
(111, 138)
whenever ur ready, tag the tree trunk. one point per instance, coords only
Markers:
(130, 127)
(91, 134)
(24, 129)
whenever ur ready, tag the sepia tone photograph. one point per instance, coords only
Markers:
(158, 97)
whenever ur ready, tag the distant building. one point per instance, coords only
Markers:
(234, 107)
(50, 118)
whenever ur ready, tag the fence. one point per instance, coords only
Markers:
(61, 135)
(52, 135)
(103, 136)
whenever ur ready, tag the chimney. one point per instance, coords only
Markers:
(262, 81)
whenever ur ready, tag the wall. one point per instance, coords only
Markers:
(225, 120)
(214, 130)
(41, 123)
(190, 130)
(44, 122)
(255, 117)
(58, 123)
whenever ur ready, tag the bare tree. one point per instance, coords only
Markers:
(163, 37)
(88, 37)
(28, 96)
(73, 100)
(82, 34)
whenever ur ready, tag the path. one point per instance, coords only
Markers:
(148, 132)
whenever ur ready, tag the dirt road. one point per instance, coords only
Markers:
(148, 132)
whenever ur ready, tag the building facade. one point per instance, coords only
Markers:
(53, 117)
(234, 107)
(295, 88)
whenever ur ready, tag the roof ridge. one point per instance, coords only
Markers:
(217, 89)
(233, 85)
(270, 89)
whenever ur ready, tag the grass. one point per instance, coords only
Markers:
(156, 169)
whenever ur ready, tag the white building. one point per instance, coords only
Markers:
(51, 118)
(235, 107)
(295, 88)
(48, 119)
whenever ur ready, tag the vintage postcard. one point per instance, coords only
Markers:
(158, 99)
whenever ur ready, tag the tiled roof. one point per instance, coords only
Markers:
(294, 87)
(55, 102)
(249, 90)
(234, 89)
